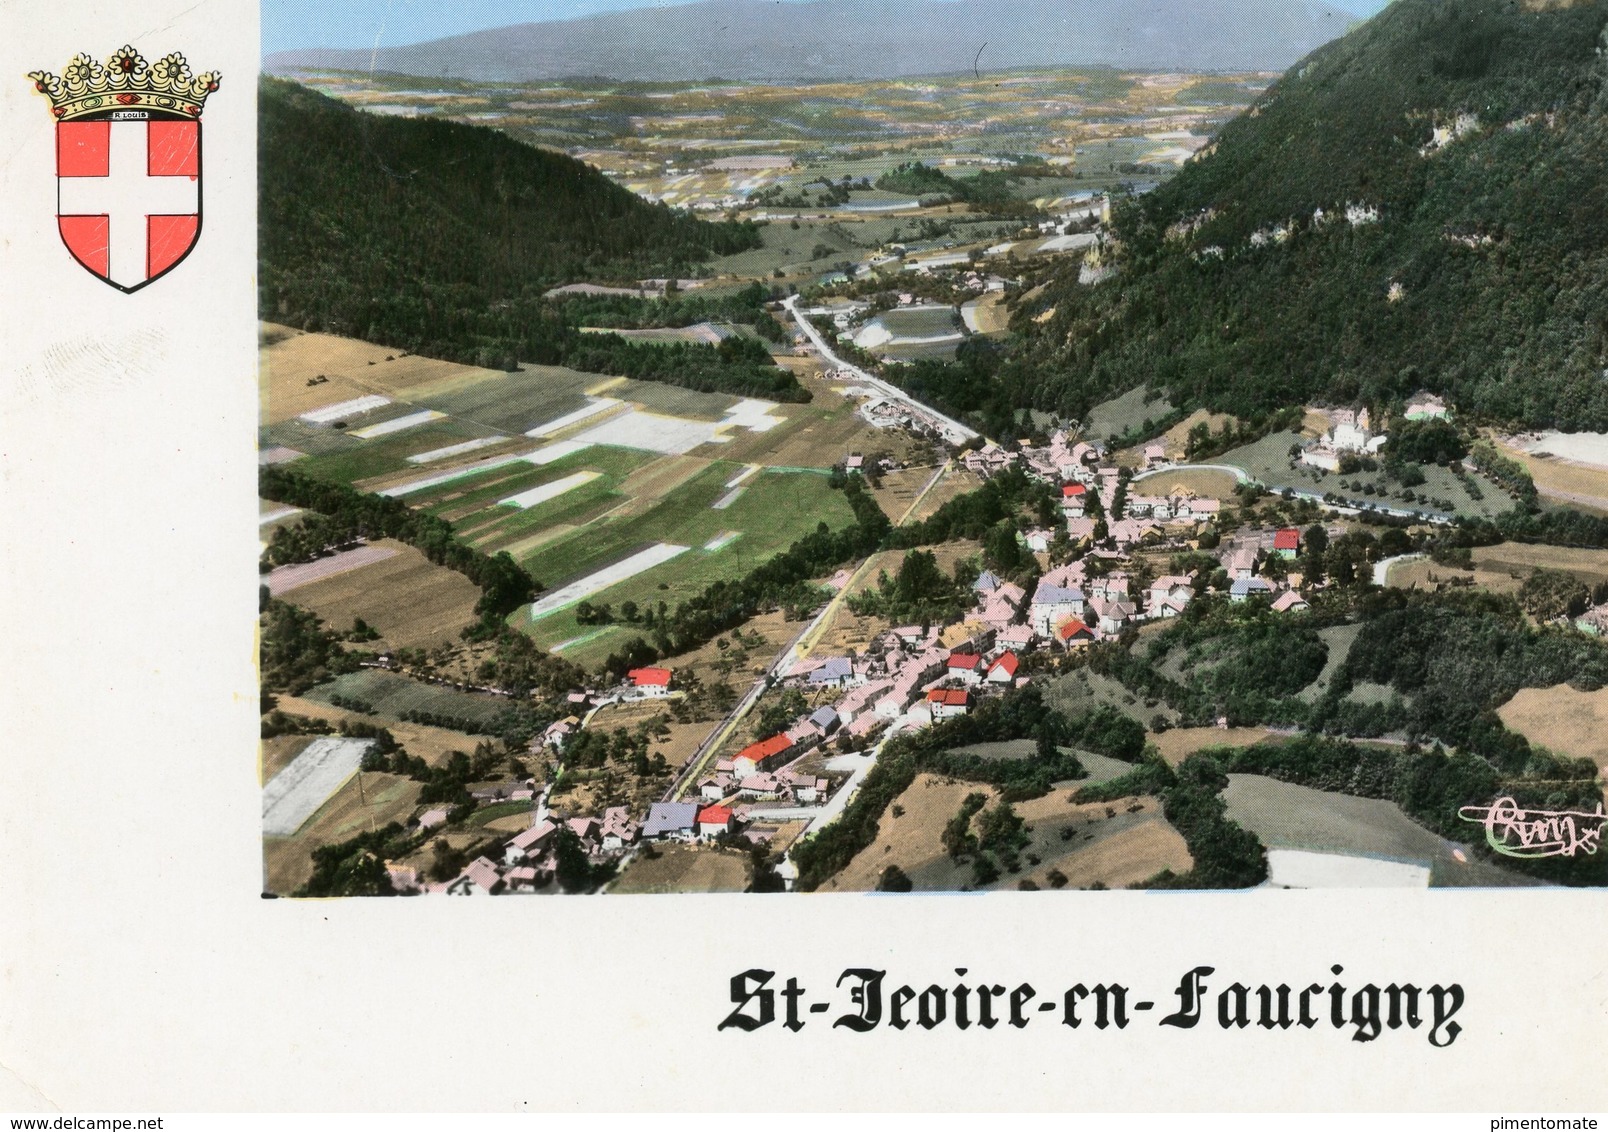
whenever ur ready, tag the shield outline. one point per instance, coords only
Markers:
(145, 115)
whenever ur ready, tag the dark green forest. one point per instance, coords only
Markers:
(442, 239)
(1497, 242)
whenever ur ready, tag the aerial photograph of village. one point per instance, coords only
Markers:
(733, 447)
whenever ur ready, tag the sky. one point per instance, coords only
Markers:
(288, 24)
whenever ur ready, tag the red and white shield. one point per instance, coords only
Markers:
(129, 193)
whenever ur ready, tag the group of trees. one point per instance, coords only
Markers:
(989, 837)
(628, 747)
(995, 192)
(296, 652)
(739, 366)
(919, 593)
(1007, 495)
(674, 309)
(1455, 657)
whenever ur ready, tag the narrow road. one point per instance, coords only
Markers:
(700, 759)
(783, 664)
(954, 431)
(1381, 570)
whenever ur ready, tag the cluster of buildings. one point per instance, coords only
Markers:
(885, 412)
(529, 860)
(1350, 433)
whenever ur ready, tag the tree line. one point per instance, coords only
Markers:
(345, 514)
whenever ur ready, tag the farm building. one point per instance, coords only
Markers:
(1072, 633)
(1247, 587)
(480, 878)
(651, 682)
(529, 843)
(1426, 407)
(1290, 602)
(618, 830)
(1003, 670)
(826, 719)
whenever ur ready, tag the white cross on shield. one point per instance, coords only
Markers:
(129, 199)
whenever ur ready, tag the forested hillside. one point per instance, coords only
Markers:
(440, 237)
(1420, 204)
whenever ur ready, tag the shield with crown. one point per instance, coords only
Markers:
(128, 162)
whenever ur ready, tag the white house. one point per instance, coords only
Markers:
(1052, 604)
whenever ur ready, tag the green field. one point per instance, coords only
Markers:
(365, 459)
(1126, 413)
(390, 695)
(1268, 460)
(514, 402)
(774, 510)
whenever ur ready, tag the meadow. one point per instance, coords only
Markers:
(773, 510)
(1288, 816)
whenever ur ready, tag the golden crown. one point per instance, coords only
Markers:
(126, 81)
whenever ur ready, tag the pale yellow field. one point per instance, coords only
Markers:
(993, 317)
(1115, 844)
(1179, 743)
(1193, 481)
(1562, 719)
(290, 358)
(1126, 857)
(680, 868)
(1565, 481)
(912, 839)
(1504, 567)
(407, 599)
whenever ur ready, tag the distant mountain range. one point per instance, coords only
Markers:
(842, 39)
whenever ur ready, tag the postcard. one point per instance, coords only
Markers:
(1020, 556)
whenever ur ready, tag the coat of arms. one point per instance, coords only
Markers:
(128, 162)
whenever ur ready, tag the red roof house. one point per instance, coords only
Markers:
(714, 820)
(966, 665)
(1073, 491)
(946, 703)
(650, 679)
(1287, 542)
(1003, 670)
(765, 755)
(1073, 632)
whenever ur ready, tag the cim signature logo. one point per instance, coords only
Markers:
(1517, 832)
